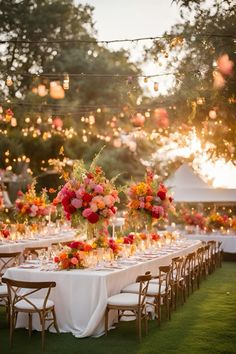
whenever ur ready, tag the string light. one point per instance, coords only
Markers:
(175, 39)
(128, 77)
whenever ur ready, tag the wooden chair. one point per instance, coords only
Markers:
(159, 289)
(178, 285)
(188, 271)
(206, 260)
(33, 251)
(21, 300)
(199, 265)
(212, 263)
(219, 254)
(134, 303)
(7, 260)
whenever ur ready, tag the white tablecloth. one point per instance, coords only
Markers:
(43, 241)
(80, 296)
(228, 241)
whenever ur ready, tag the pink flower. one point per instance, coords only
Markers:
(77, 203)
(74, 260)
(157, 212)
(93, 207)
(142, 204)
(87, 180)
(109, 200)
(98, 189)
(34, 210)
(86, 212)
(80, 192)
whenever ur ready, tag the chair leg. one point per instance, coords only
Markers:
(176, 295)
(146, 321)
(8, 311)
(139, 324)
(30, 324)
(168, 307)
(106, 320)
(159, 311)
(55, 321)
(42, 321)
(11, 327)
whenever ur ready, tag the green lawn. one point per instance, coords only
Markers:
(205, 324)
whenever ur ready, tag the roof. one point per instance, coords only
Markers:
(185, 177)
(198, 195)
(188, 187)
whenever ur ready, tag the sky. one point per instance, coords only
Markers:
(128, 19)
(133, 18)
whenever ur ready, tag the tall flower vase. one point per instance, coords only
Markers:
(91, 231)
(149, 230)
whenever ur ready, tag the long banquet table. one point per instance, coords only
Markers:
(40, 241)
(80, 296)
(228, 241)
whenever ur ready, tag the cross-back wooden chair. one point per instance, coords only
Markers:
(21, 300)
(7, 260)
(199, 265)
(188, 271)
(33, 251)
(212, 244)
(134, 303)
(219, 254)
(158, 293)
(206, 260)
(178, 285)
(160, 288)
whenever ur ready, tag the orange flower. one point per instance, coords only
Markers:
(134, 204)
(52, 190)
(63, 256)
(148, 206)
(65, 264)
(149, 198)
(143, 236)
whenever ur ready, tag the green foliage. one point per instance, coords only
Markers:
(50, 20)
(194, 56)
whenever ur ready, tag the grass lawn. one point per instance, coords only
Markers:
(205, 324)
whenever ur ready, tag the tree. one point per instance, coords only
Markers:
(205, 94)
(42, 38)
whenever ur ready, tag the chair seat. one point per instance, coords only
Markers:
(154, 281)
(24, 305)
(153, 289)
(3, 290)
(123, 299)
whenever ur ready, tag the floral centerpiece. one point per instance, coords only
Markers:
(217, 221)
(4, 230)
(72, 256)
(193, 218)
(148, 201)
(233, 223)
(88, 196)
(31, 206)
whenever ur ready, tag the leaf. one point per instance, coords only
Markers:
(96, 158)
(61, 152)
